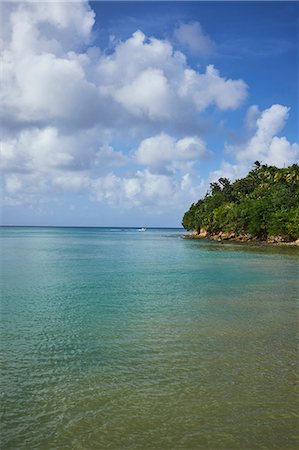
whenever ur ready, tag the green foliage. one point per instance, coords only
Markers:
(264, 203)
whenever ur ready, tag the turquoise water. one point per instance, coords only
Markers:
(115, 339)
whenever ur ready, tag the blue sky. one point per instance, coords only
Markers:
(122, 113)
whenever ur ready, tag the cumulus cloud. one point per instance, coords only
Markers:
(42, 81)
(192, 37)
(210, 88)
(163, 152)
(262, 145)
(265, 145)
(34, 150)
(51, 27)
(41, 164)
(62, 100)
(26, 188)
(46, 80)
(45, 149)
(228, 170)
(148, 190)
(65, 103)
(147, 95)
(52, 80)
(156, 81)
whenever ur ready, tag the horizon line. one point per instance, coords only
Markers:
(86, 226)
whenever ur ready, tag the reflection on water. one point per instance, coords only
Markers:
(134, 340)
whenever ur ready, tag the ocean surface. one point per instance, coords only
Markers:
(119, 339)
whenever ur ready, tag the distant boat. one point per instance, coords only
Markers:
(141, 229)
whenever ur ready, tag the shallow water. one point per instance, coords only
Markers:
(115, 339)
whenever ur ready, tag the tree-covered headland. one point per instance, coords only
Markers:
(263, 205)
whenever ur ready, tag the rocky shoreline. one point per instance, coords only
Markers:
(242, 238)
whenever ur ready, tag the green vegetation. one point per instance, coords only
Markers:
(264, 203)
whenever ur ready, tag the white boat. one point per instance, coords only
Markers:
(141, 229)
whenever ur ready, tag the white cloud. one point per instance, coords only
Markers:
(41, 164)
(163, 152)
(210, 88)
(148, 190)
(65, 102)
(149, 95)
(48, 88)
(107, 156)
(135, 55)
(265, 145)
(228, 170)
(76, 182)
(52, 27)
(46, 81)
(148, 78)
(42, 80)
(192, 37)
(34, 150)
(282, 153)
(26, 188)
(45, 150)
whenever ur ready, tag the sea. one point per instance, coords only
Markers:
(113, 338)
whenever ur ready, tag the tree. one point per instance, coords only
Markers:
(264, 203)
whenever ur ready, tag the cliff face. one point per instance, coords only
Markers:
(262, 206)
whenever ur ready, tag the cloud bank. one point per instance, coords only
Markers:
(120, 126)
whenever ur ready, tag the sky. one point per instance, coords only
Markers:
(123, 113)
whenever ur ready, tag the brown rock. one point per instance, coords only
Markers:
(203, 233)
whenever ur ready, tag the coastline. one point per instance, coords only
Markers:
(242, 239)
